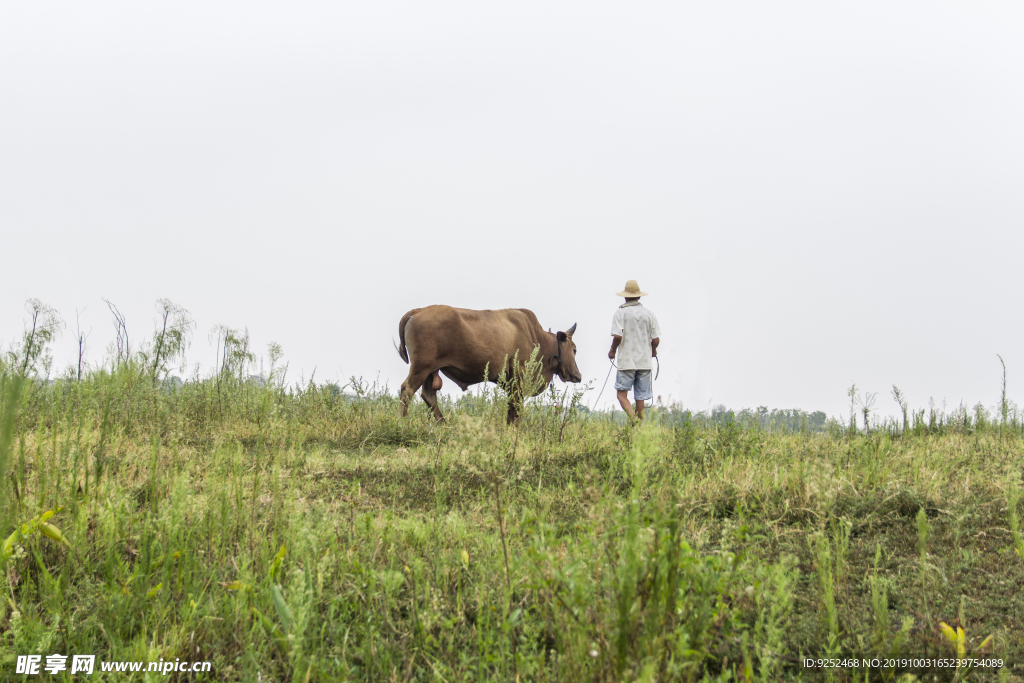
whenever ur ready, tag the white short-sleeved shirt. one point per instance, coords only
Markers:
(637, 326)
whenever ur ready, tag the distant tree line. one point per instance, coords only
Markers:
(777, 419)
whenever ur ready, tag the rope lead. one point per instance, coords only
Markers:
(616, 367)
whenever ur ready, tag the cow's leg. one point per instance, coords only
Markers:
(417, 376)
(515, 402)
(429, 394)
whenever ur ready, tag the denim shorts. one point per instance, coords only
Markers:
(637, 380)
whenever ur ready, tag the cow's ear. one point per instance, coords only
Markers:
(569, 332)
(561, 336)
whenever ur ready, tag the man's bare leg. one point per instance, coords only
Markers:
(623, 397)
(639, 410)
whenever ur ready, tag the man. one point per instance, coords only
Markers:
(635, 334)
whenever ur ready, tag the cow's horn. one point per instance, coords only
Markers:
(569, 331)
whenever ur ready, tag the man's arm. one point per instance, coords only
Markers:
(654, 347)
(616, 340)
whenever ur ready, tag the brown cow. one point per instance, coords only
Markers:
(462, 344)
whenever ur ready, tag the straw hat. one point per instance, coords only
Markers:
(632, 289)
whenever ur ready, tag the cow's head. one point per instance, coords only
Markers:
(567, 370)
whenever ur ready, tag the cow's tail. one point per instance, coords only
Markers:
(402, 350)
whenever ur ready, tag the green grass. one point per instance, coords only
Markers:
(300, 535)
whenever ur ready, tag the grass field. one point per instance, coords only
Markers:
(306, 535)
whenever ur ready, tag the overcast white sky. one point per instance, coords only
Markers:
(812, 193)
